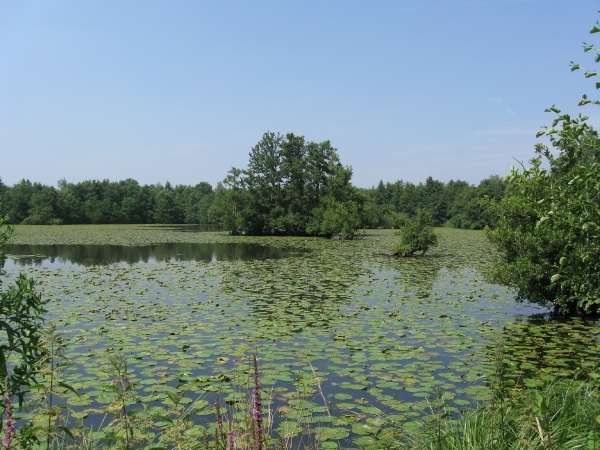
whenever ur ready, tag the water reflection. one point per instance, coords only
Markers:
(90, 255)
(202, 228)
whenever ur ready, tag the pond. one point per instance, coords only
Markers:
(93, 255)
(346, 339)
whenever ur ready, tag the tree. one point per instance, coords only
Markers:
(233, 201)
(42, 204)
(194, 203)
(17, 201)
(469, 210)
(417, 235)
(339, 220)
(549, 221)
(166, 209)
(289, 186)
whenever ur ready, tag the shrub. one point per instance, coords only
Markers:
(417, 235)
(21, 309)
(549, 221)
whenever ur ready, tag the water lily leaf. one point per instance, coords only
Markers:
(364, 428)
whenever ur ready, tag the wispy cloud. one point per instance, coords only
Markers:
(500, 103)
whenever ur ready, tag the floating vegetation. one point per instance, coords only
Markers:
(347, 340)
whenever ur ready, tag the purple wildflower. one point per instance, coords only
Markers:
(231, 439)
(9, 432)
(257, 409)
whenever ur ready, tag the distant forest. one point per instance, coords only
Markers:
(454, 204)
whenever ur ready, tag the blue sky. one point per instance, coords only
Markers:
(181, 91)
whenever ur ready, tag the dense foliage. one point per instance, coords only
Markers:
(292, 187)
(21, 309)
(549, 223)
(549, 229)
(342, 207)
(94, 202)
(456, 203)
(416, 235)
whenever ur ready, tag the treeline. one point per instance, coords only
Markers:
(455, 204)
(315, 197)
(105, 202)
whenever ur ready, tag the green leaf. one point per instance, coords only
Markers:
(562, 261)
(555, 277)
(324, 434)
(3, 370)
(364, 429)
(69, 387)
(66, 431)
(594, 29)
(575, 67)
(590, 74)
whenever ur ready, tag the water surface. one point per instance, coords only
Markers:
(377, 336)
(98, 255)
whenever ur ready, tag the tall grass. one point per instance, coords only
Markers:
(563, 415)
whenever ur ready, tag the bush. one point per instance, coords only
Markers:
(339, 219)
(549, 221)
(417, 235)
(548, 232)
(21, 309)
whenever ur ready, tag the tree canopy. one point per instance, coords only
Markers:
(549, 219)
(292, 187)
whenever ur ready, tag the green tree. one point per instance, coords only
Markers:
(549, 221)
(468, 209)
(17, 201)
(3, 189)
(232, 201)
(290, 184)
(42, 210)
(263, 182)
(166, 208)
(194, 207)
(416, 235)
(339, 219)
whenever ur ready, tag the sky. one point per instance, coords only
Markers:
(181, 91)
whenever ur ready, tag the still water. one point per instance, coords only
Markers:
(94, 255)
